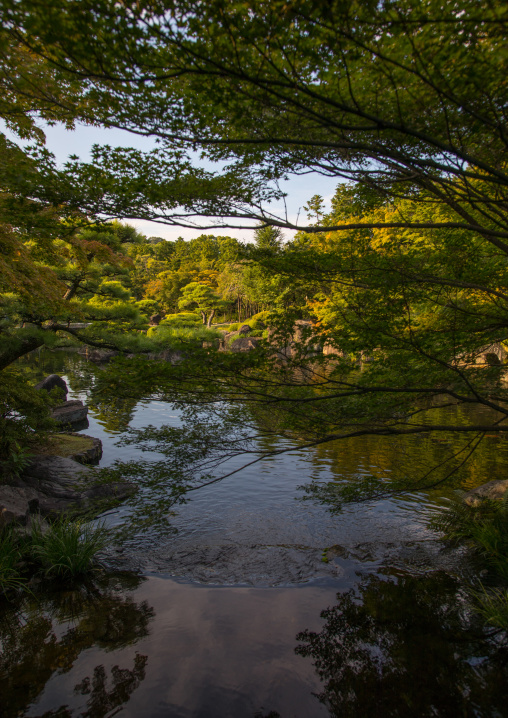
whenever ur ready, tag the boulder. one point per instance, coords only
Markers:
(245, 329)
(51, 381)
(155, 320)
(16, 504)
(52, 485)
(330, 349)
(72, 412)
(168, 355)
(244, 344)
(491, 490)
(61, 484)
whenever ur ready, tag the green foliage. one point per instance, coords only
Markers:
(182, 319)
(484, 529)
(11, 578)
(203, 298)
(67, 549)
(24, 417)
(180, 335)
(147, 307)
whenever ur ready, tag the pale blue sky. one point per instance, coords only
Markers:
(63, 143)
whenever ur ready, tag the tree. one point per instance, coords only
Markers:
(396, 95)
(406, 100)
(203, 298)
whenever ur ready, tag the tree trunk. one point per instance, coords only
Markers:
(209, 322)
(203, 316)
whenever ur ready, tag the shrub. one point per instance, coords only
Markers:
(173, 337)
(258, 321)
(234, 327)
(183, 319)
(67, 548)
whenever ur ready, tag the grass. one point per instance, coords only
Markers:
(67, 549)
(63, 550)
(66, 445)
(10, 559)
(484, 529)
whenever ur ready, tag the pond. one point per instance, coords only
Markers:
(263, 602)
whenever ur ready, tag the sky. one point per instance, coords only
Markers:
(62, 143)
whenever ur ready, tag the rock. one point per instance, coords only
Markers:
(493, 355)
(16, 504)
(98, 356)
(330, 349)
(491, 490)
(245, 329)
(91, 455)
(244, 344)
(168, 355)
(52, 485)
(155, 320)
(60, 484)
(72, 412)
(51, 381)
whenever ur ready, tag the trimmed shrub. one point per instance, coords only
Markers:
(183, 319)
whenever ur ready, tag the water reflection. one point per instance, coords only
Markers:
(404, 645)
(46, 633)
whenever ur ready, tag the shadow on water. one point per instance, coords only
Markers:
(45, 635)
(404, 645)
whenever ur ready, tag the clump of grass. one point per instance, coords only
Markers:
(10, 559)
(484, 529)
(67, 549)
(493, 606)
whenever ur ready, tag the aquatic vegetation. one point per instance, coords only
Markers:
(67, 548)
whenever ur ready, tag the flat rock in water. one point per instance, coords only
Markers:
(72, 412)
(490, 490)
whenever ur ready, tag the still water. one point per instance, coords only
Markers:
(260, 604)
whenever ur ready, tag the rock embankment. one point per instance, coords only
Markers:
(52, 485)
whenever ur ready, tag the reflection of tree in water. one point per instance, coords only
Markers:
(44, 637)
(102, 701)
(405, 647)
